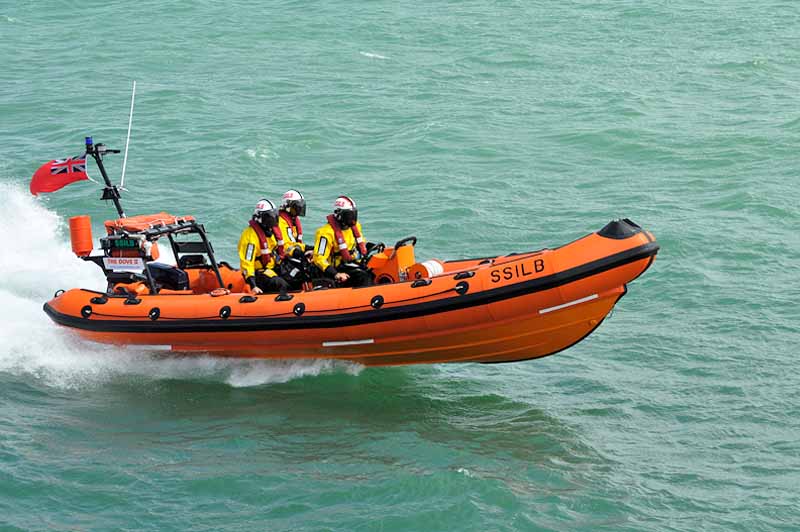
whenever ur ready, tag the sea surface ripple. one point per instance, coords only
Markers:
(482, 128)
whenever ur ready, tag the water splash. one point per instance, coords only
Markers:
(36, 260)
(31, 346)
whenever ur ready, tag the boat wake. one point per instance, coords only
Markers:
(37, 261)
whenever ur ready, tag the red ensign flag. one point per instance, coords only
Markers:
(59, 173)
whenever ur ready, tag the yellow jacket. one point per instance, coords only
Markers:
(326, 249)
(289, 237)
(250, 254)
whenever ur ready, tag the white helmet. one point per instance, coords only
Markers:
(345, 211)
(265, 213)
(293, 199)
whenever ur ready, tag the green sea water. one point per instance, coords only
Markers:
(482, 128)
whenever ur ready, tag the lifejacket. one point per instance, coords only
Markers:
(337, 232)
(291, 222)
(266, 254)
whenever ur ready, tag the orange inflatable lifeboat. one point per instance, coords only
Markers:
(490, 309)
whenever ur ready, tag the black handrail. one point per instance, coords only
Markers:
(211, 259)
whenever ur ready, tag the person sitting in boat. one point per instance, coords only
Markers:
(291, 249)
(339, 245)
(293, 206)
(258, 251)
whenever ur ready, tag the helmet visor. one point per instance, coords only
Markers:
(267, 218)
(299, 207)
(348, 217)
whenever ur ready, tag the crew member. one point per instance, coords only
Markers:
(291, 250)
(257, 251)
(339, 245)
(293, 206)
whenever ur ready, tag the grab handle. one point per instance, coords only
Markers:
(405, 241)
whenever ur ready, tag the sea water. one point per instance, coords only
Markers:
(481, 128)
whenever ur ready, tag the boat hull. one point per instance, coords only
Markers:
(500, 309)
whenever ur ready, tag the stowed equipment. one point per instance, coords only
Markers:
(130, 247)
(397, 264)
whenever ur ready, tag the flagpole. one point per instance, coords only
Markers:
(128, 139)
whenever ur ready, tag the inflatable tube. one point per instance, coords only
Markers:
(490, 309)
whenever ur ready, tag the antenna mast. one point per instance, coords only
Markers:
(128, 139)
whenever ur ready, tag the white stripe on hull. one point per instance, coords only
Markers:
(348, 342)
(569, 304)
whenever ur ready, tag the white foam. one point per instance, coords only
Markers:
(464, 471)
(258, 372)
(36, 261)
(373, 56)
(262, 152)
